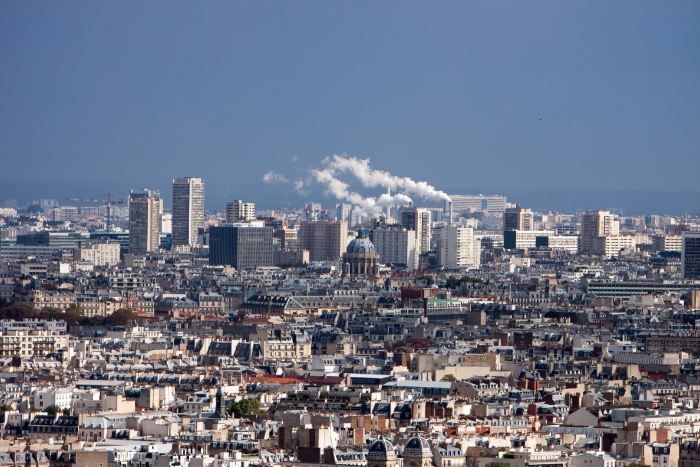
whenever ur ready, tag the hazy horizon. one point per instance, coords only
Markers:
(633, 202)
(562, 106)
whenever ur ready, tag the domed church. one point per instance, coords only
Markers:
(382, 454)
(417, 453)
(360, 261)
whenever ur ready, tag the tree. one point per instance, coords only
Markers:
(18, 312)
(428, 279)
(448, 379)
(50, 312)
(398, 344)
(5, 408)
(121, 317)
(76, 307)
(244, 407)
(33, 209)
(91, 321)
(453, 282)
(53, 410)
(66, 412)
(70, 316)
(5, 302)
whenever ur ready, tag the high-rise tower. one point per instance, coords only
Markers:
(188, 210)
(518, 218)
(597, 224)
(690, 255)
(418, 219)
(144, 221)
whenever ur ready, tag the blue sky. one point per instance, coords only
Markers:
(469, 96)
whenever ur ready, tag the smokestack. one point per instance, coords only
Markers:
(450, 221)
(388, 207)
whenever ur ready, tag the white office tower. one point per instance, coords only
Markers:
(518, 218)
(597, 224)
(493, 203)
(418, 219)
(238, 211)
(457, 248)
(144, 221)
(395, 244)
(100, 254)
(166, 223)
(188, 210)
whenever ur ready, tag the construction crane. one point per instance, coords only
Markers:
(107, 202)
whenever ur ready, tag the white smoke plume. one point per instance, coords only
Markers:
(272, 177)
(403, 187)
(371, 178)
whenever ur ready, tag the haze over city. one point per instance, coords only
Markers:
(579, 104)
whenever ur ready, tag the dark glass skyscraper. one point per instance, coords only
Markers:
(690, 255)
(240, 246)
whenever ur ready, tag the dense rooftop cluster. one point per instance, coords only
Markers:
(532, 354)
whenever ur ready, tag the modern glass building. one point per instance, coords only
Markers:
(240, 246)
(690, 255)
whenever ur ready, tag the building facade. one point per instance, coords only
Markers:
(611, 245)
(144, 221)
(418, 220)
(325, 240)
(395, 245)
(690, 255)
(666, 243)
(241, 245)
(457, 248)
(597, 224)
(101, 254)
(518, 218)
(238, 211)
(492, 203)
(188, 210)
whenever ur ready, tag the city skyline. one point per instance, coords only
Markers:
(630, 202)
(367, 234)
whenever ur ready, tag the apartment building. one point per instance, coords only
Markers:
(100, 254)
(238, 211)
(457, 248)
(418, 220)
(326, 240)
(596, 224)
(40, 299)
(395, 245)
(31, 343)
